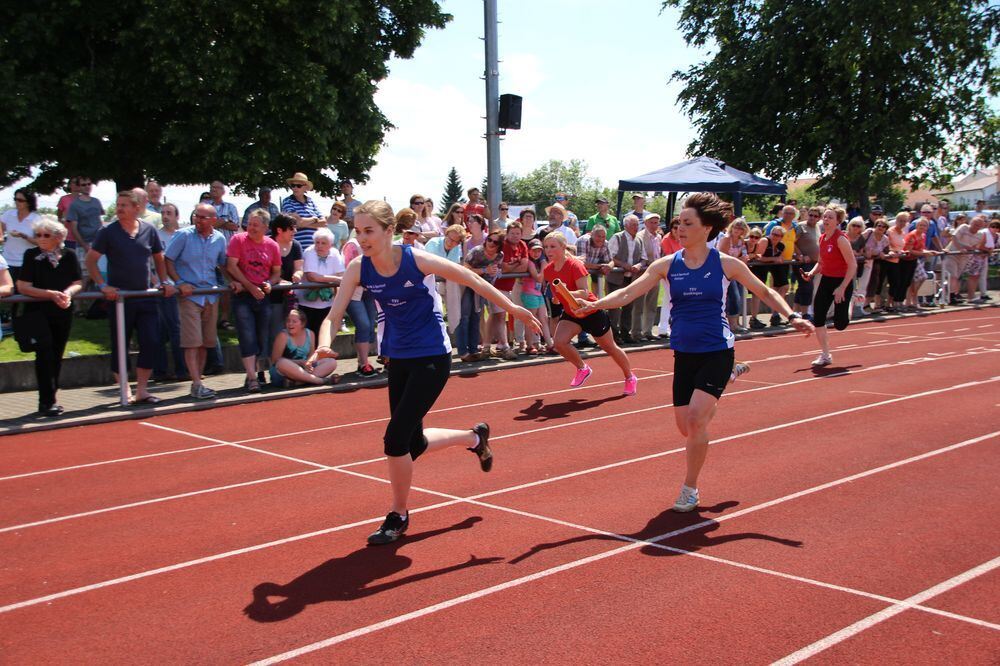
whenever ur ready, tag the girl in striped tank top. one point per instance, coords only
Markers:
(415, 338)
(698, 277)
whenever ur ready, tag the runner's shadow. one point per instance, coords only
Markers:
(350, 577)
(684, 531)
(540, 411)
(827, 370)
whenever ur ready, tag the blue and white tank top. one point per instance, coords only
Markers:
(698, 321)
(410, 317)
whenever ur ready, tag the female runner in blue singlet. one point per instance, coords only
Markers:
(698, 277)
(415, 339)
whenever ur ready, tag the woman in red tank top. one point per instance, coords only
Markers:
(837, 269)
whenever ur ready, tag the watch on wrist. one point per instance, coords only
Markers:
(794, 315)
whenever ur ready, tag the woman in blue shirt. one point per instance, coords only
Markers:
(415, 339)
(704, 362)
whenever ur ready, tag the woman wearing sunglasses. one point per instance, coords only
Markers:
(49, 272)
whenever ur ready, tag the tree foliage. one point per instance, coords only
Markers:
(540, 185)
(187, 91)
(848, 89)
(453, 191)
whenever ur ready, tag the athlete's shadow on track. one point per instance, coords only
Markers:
(350, 577)
(679, 542)
(539, 410)
(826, 371)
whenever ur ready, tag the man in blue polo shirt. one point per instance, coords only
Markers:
(193, 256)
(129, 244)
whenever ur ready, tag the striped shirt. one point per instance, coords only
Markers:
(303, 209)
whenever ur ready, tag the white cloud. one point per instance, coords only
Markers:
(521, 73)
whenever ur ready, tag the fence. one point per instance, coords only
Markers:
(122, 350)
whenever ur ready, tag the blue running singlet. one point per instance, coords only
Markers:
(410, 316)
(698, 321)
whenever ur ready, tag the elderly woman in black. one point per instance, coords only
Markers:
(49, 272)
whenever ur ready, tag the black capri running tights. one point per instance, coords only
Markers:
(824, 299)
(414, 385)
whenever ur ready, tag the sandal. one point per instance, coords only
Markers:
(252, 385)
(148, 400)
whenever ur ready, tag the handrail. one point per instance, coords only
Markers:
(288, 286)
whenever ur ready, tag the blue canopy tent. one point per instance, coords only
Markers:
(700, 174)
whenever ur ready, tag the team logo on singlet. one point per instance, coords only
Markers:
(407, 284)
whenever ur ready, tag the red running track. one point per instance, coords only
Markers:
(849, 516)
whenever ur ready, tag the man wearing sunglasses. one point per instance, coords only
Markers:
(303, 210)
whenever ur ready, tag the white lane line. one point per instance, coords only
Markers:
(109, 462)
(157, 500)
(938, 333)
(885, 614)
(578, 422)
(895, 395)
(648, 370)
(479, 594)
(318, 466)
(378, 519)
(959, 330)
(757, 381)
(946, 322)
(985, 326)
(217, 442)
(445, 409)
(710, 558)
(537, 395)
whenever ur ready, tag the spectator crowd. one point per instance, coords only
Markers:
(146, 246)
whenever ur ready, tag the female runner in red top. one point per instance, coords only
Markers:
(574, 275)
(837, 268)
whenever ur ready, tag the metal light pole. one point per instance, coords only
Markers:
(492, 76)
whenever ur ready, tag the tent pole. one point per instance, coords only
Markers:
(738, 204)
(618, 209)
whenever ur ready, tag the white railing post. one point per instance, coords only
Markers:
(122, 350)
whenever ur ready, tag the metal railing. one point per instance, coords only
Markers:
(122, 350)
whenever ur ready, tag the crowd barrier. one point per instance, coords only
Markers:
(122, 350)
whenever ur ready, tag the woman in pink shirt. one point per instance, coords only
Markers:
(254, 262)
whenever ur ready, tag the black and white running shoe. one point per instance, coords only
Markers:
(392, 528)
(482, 449)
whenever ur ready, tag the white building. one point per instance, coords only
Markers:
(982, 185)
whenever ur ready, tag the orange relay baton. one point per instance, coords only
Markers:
(566, 299)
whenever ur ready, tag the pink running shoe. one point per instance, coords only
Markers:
(631, 385)
(582, 375)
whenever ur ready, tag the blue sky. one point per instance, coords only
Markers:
(593, 74)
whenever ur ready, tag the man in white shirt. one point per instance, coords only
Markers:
(628, 254)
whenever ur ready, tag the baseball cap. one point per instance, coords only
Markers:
(638, 196)
(533, 243)
(600, 200)
(877, 208)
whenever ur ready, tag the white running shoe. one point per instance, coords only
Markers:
(739, 369)
(822, 359)
(688, 500)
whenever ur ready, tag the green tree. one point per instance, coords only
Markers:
(453, 191)
(845, 89)
(539, 186)
(188, 92)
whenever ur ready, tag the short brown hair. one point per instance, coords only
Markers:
(515, 225)
(405, 218)
(339, 205)
(711, 210)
